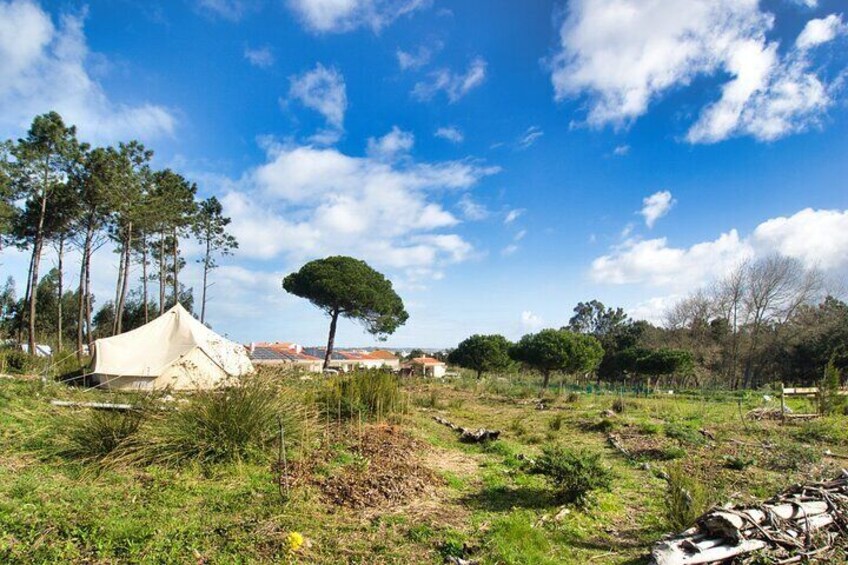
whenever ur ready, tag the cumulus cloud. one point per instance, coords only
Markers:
(531, 322)
(322, 89)
(261, 57)
(395, 143)
(820, 31)
(656, 206)
(337, 16)
(625, 54)
(450, 133)
(306, 202)
(818, 238)
(454, 85)
(43, 68)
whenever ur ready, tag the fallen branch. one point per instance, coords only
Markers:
(467, 435)
(803, 521)
(98, 405)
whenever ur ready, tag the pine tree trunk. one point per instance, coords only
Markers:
(332, 339)
(205, 276)
(36, 262)
(26, 299)
(60, 289)
(144, 276)
(119, 314)
(176, 269)
(118, 284)
(162, 274)
(86, 249)
(88, 294)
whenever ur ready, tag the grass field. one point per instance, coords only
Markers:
(398, 487)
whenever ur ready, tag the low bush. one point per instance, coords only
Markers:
(684, 434)
(555, 423)
(371, 394)
(90, 434)
(619, 405)
(233, 424)
(574, 473)
(572, 397)
(687, 497)
(791, 456)
(738, 462)
(17, 362)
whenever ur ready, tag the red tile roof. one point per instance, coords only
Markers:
(427, 361)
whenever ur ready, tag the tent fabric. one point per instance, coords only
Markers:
(175, 350)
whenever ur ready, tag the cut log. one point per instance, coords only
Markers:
(468, 435)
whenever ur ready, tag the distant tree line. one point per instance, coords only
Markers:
(767, 321)
(57, 191)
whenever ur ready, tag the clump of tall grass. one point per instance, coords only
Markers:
(92, 435)
(686, 499)
(370, 394)
(237, 423)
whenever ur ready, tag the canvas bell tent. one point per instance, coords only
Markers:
(173, 351)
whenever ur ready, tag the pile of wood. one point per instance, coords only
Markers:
(467, 435)
(804, 522)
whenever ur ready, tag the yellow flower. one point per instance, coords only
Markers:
(294, 541)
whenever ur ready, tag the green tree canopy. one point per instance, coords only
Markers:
(344, 286)
(558, 350)
(482, 353)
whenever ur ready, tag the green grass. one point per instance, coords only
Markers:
(212, 495)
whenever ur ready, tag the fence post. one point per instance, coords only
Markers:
(782, 403)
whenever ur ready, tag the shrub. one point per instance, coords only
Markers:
(619, 405)
(830, 402)
(672, 452)
(791, 456)
(231, 424)
(738, 462)
(572, 397)
(574, 473)
(91, 434)
(372, 394)
(18, 362)
(684, 434)
(687, 497)
(555, 423)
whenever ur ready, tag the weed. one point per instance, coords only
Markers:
(619, 405)
(373, 394)
(738, 462)
(91, 434)
(687, 497)
(572, 397)
(789, 456)
(555, 423)
(574, 473)
(684, 434)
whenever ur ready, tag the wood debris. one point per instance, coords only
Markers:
(802, 522)
(468, 435)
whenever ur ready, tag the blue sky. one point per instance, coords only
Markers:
(499, 164)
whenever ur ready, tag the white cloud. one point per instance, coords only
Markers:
(818, 238)
(472, 210)
(261, 57)
(513, 215)
(509, 250)
(336, 16)
(454, 85)
(232, 10)
(625, 54)
(450, 133)
(531, 322)
(621, 150)
(306, 202)
(420, 58)
(656, 206)
(655, 263)
(323, 90)
(530, 137)
(43, 68)
(395, 143)
(820, 31)
(653, 310)
(521, 234)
